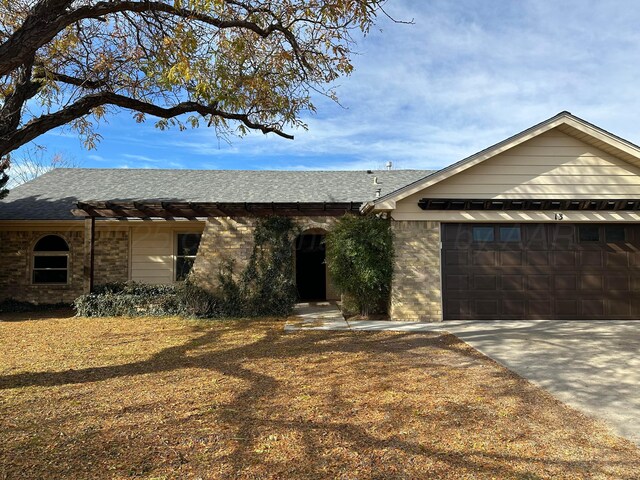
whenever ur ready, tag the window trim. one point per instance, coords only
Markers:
(49, 253)
(176, 234)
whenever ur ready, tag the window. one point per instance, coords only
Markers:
(510, 234)
(614, 233)
(589, 233)
(186, 253)
(483, 234)
(50, 260)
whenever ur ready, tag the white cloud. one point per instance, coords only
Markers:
(465, 75)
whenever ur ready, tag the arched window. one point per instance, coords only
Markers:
(50, 260)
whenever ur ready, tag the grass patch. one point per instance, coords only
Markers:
(173, 398)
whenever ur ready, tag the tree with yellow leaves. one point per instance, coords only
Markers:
(235, 65)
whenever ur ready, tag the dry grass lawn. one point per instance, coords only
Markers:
(170, 398)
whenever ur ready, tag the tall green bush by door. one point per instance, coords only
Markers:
(360, 260)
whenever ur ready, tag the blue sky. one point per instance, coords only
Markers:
(465, 75)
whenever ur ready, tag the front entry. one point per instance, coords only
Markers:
(311, 272)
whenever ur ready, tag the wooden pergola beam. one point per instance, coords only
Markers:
(192, 210)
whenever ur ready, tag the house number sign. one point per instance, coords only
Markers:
(559, 216)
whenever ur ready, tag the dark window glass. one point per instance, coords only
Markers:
(183, 267)
(49, 276)
(186, 251)
(188, 244)
(589, 233)
(614, 233)
(483, 234)
(51, 243)
(510, 234)
(50, 261)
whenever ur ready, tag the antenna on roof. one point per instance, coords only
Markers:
(389, 165)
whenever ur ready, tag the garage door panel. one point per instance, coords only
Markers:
(512, 283)
(487, 307)
(539, 282)
(591, 282)
(549, 273)
(564, 258)
(509, 259)
(537, 258)
(539, 309)
(513, 308)
(617, 283)
(591, 259)
(457, 282)
(483, 259)
(565, 283)
(484, 282)
(592, 308)
(454, 257)
(568, 307)
(618, 308)
(619, 259)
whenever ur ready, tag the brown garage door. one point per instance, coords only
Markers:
(541, 271)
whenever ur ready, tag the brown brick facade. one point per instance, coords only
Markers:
(16, 249)
(416, 290)
(111, 261)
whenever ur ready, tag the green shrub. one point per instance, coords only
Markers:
(138, 299)
(360, 261)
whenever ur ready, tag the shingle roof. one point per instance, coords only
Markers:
(52, 195)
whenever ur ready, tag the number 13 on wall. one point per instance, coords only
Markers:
(558, 216)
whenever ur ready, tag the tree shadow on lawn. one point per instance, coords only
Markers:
(331, 440)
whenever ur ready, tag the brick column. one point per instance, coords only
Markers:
(416, 289)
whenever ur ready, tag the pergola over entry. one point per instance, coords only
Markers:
(146, 209)
(169, 210)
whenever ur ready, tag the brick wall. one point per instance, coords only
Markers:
(15, 267)
(416, 289)
(111, 259)
(229, 238)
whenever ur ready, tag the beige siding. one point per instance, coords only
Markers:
(551, 165)
(153, 251)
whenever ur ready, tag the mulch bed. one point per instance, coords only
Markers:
(171, 398)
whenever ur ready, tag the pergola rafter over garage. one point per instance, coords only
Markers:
(149, 209)
(528, 204)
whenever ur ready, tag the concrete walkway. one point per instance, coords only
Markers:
(593, 366)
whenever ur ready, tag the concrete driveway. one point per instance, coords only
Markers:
(593, 366)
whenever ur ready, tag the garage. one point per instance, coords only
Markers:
(540, 271)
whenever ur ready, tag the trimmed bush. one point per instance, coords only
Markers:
(137, 299)
(360, 261)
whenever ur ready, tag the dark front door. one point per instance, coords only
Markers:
(311, 276)
(541, 271)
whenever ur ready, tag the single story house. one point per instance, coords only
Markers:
(544, 224)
